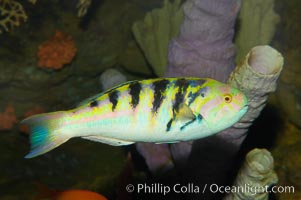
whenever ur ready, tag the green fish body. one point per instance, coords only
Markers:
(164, 110)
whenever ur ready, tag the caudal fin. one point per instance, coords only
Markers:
(44, 132)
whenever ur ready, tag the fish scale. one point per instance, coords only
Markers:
(162, 110)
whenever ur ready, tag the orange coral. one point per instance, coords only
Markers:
(33, 111)
(8, 118)
(57, 51)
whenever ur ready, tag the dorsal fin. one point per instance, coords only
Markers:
(95, 97)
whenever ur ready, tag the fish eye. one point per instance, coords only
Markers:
(228, 98)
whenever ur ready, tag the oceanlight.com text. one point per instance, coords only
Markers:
(214, 188)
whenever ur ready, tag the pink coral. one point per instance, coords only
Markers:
(8, 118)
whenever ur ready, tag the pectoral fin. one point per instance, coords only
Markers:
(183, 117)
(184, 114)
(110, 141)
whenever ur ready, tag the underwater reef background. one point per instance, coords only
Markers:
(52, 56)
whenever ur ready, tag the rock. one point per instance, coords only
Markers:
(289, 97)
(97, 53)
(133, 60)
(33, 78)
(157, 157)
(111, 78)
(289, 91)
(106, 38)
(292, 72)
(6, 74)
(286, 151)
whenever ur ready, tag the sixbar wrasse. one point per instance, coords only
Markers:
(163, 110)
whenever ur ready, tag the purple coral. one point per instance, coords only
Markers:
(204, 47)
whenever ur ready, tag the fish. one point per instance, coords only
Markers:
(70, 194)
(161, 110)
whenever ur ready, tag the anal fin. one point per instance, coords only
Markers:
(168, 142)
(110, 141)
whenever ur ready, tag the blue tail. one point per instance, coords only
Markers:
(45, 134)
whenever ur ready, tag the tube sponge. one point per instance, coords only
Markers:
(257, 172)
(256, 76)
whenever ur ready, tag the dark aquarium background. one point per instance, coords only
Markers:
(56, 53)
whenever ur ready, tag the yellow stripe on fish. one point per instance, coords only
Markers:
(162, 110)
